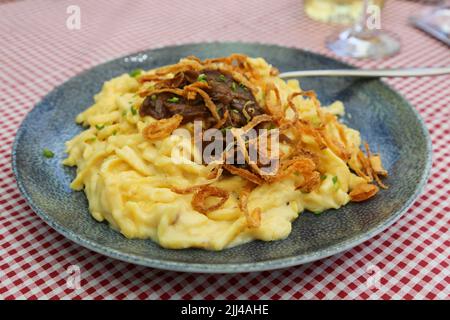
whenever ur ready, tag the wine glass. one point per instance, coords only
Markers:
(360, 41)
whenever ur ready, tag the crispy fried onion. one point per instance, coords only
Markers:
(254, 217)
(244, 173)
(374, 172)
(292, 106)
(163, 72)
(300, 158)
(241, 144)
(208, 102)
(310, 183)
(215, 173)
(222, 121)
(319, 131)
(189, 92)
(299, 151)
(274, 109)
(257, 120)
(375, 162)
(162, 128)
(239, 59)
(179, 92)
(336, 146)
(239, 63)
(201, 194)
(305, 128)
(363, 191)
(299, 165)
(235, 64)
(360, 170)
(371, 166)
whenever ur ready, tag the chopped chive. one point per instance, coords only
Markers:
(114, 132)
(222, 78)
(202, 77)
(173, 99)
(336, 183)
(47, 153)
(133, 111)
(233, 86)
(153, 97)
(91, 139)
(235, 110)
(135, 73)
(99, 126)
(323, 177)
(272, 126)
(124, 113)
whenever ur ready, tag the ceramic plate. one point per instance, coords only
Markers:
(384, 118)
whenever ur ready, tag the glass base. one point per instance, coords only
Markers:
(373, 44)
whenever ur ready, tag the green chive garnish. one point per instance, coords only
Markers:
(233, 86)
(99, 126)
(173, 99)
(202, 77)
(91, 139)
(235, 110)
(124, 113)
(222, 78)
(323, 177)
(133, 111)
(336, 183)
(114, 132)
(153, 97)
(47, 153)
(135, 73)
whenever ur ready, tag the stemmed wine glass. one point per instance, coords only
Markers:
(360, 41)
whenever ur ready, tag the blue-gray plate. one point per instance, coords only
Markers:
(384, 118)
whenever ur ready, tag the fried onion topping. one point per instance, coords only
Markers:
(162, 128)
(203, 193)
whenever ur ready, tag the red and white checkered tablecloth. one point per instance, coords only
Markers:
(37, 52)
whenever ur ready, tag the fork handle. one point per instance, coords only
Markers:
(368, 73)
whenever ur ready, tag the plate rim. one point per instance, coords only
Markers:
(223, 267)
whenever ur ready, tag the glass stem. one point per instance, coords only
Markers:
(361, 25)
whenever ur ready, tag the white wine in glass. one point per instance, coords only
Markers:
(345, 12)
(362, 41)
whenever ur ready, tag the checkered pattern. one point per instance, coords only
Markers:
(38, 52)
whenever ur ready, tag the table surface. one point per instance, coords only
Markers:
(37, 52)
